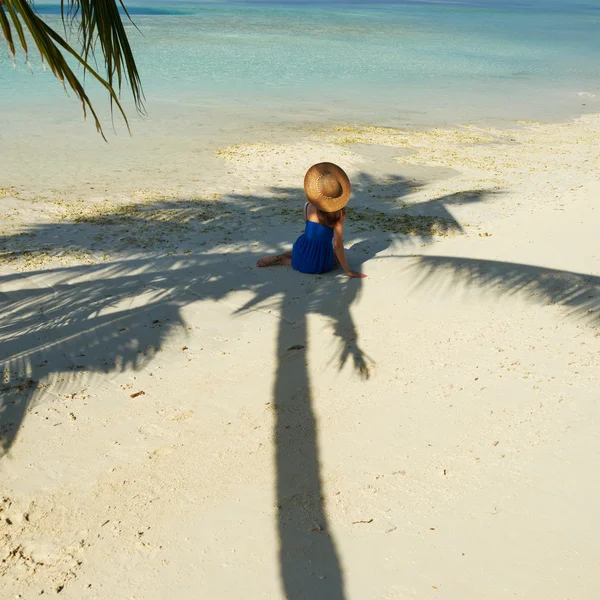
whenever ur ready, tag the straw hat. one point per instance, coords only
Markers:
(327, 187)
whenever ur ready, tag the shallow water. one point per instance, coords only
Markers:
(395, 62)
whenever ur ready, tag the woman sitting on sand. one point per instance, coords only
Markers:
(321, 247)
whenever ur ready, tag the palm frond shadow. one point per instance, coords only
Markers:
(577, 293)
(114, 316)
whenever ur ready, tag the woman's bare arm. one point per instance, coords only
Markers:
(338, 246)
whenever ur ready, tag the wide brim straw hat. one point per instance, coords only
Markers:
(327, 187)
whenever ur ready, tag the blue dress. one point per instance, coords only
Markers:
(313, 250)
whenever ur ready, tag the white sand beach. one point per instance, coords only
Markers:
(178, 423)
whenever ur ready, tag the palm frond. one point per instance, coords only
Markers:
(18, 27)
(99, 23)
(6, 31)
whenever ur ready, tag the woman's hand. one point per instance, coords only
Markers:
(353, 274)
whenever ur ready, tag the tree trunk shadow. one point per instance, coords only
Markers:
(308, 560)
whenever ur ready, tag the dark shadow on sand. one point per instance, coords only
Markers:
(577, 293)
(114, 316)
(309, 563)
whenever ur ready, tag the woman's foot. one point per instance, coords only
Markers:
(268, 261)
(285, 260)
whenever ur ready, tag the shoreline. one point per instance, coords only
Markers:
(424, 162)
(152, 146)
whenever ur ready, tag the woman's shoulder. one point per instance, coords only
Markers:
(310, 210)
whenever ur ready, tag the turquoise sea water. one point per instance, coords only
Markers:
(392, 62)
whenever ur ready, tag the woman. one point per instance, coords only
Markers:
(321, 247)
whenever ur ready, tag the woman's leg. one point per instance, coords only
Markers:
(284, 260)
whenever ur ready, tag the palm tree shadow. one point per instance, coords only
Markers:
(112, 317)
(84, 324)
(309, 562)
(577, 293)
(308, 559)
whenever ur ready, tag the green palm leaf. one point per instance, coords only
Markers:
(99, 24)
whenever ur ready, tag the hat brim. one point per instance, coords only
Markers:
(311, 189)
